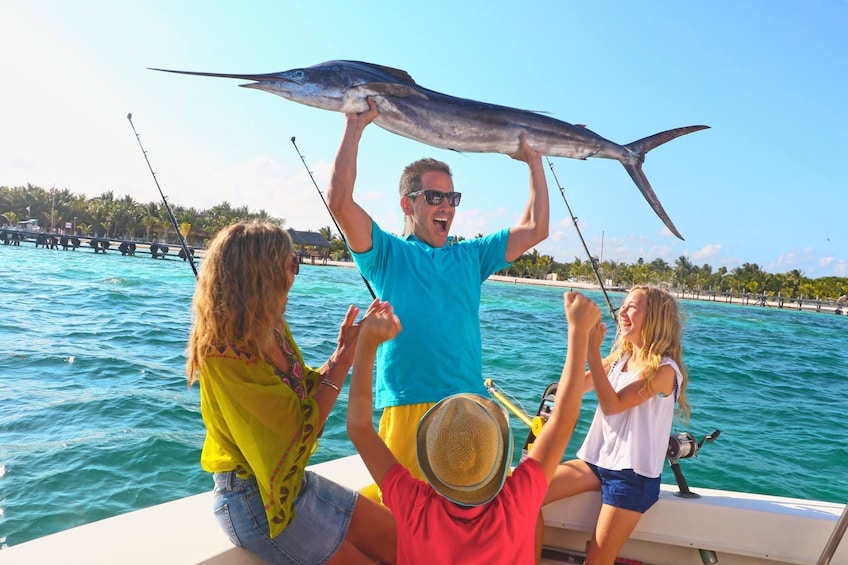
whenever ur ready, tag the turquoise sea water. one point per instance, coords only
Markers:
(96, 418)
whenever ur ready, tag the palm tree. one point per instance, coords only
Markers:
(150, 219)
(544, 265)
(11, 217)
(794, 278)
(76, 208)
(641, 273)
(338, 248)
(682, 268)
(99, 214)
(126, 216)
(101, 211)
(612, 270)
(53, 218)
(164, 221)
(266, 217)
(18, 199)
(224, 214)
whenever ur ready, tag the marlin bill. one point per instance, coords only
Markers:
(448, 122)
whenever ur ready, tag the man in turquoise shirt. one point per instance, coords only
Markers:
(432, 281)
(438, 353)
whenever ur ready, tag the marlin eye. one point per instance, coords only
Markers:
(299, 74)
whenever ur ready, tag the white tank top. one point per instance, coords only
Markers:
(634, 439)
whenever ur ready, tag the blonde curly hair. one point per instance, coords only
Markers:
(240, 291)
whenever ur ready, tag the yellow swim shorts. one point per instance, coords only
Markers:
(398, 426)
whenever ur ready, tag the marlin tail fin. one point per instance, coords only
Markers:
(633, 165)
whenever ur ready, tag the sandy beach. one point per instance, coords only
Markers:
(824, 306)
(827, 306)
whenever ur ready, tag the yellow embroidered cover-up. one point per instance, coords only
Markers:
(260, 422)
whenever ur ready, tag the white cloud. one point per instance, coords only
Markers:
(840, 269)
(707, 253)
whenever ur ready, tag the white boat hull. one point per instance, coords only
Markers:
(742, 529)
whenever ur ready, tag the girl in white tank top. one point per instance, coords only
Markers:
(637, 386)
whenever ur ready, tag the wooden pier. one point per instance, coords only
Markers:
(764, 301)
(64, 242)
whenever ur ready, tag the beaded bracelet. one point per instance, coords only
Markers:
(332, 385)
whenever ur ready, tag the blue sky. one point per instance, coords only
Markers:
(765, 185)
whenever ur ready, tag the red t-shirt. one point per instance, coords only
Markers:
(433, 530)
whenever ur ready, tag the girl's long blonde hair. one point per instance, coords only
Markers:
(661, 336)
(240, 290)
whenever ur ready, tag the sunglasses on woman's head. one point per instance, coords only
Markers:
(434, 197)
(294, 266)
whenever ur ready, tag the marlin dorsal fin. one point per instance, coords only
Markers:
(400, 73)
(390, 89)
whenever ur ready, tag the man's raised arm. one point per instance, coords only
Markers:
(353, 220)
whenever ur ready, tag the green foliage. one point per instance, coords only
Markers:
(123, 217)
(750, 277)
(118, 217)
(338, 249)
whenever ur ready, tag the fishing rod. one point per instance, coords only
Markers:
(583, 241)
(315, 184)
(189, 255)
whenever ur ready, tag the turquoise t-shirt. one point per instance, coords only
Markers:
(436, 294)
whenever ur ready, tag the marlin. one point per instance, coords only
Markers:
(448, 122)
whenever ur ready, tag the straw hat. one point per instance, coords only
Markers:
(464, 447)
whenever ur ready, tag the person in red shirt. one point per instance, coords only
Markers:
(469, 510)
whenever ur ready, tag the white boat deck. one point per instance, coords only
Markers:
(740, 528)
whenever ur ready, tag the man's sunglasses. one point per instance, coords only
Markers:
(434, 197)
(294, 266)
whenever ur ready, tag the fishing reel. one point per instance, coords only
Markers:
(685, 446)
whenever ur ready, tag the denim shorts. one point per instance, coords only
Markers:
(626, 489)
(323, 511)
